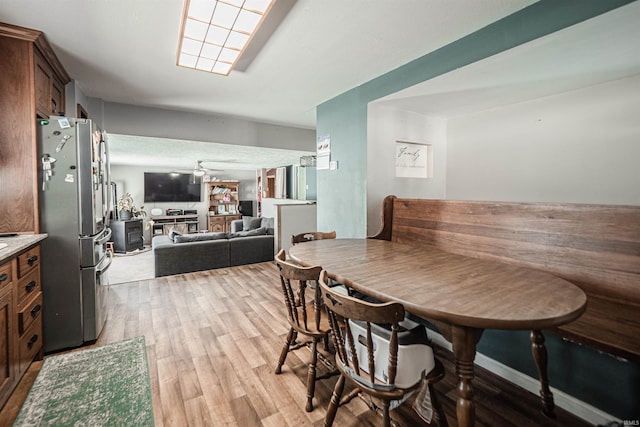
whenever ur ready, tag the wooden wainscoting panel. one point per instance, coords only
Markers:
(597, 247)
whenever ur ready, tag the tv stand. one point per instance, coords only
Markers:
(184, 224)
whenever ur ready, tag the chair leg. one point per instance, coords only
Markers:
(386, 418)
(434, 376)
(438, 412)
(291, 339)
(311, 375)
(335, 402)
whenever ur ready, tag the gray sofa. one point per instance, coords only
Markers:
(247, 243)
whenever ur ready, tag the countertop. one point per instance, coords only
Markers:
(16, 244)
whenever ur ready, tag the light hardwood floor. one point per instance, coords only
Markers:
(213, 340)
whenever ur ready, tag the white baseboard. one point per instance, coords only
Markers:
(562, 400)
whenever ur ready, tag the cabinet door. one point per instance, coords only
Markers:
(7, 350)
(49, 90)
(57, 97)
(43, 84)
(216, 225)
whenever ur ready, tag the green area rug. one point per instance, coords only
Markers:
(101, 386)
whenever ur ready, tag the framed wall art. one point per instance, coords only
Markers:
(413, 160)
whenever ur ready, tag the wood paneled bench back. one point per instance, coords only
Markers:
(597, 247)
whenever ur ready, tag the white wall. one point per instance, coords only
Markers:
(292, 219)
(577, 147)
(268, 205)
(385, 126)
(155, 122)
(132, 179)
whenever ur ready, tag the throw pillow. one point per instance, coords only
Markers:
(255, 232)
(173, 233)
(250, 223)
(268, 224)
(199, 237)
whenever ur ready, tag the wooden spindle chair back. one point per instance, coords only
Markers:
(341, 308)
(305, 317)
(294, 280)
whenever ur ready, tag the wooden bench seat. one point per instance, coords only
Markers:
(597, 247)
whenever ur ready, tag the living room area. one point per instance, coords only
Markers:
(201, 204)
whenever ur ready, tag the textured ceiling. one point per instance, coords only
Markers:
(181, 155)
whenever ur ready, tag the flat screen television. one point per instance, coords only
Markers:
(171, 187)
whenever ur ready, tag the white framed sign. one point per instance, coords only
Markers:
(413, 160)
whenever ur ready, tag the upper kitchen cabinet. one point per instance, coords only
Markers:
(32, 82)
(49, 88)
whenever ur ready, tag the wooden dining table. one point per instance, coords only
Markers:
(460, 295)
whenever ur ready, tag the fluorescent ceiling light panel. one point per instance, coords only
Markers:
(210, 51)
(215, 33)
(237, 40)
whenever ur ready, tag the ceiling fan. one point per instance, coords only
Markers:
(201, 170)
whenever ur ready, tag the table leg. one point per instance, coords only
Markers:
(464, 342)
(540, 356)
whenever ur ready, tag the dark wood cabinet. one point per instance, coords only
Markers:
(20, 318)
(49, 88)
(7, 344)
(127, 235)
(32, 82)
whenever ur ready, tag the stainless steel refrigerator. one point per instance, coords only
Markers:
(74, 207)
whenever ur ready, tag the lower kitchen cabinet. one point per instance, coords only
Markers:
(7, 358)
(20, 318)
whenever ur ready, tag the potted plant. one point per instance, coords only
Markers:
(127, 209)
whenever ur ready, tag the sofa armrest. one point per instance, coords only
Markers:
(236, 225)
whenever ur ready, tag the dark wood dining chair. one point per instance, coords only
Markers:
(368, 338)
(305, 317)
(312, 235)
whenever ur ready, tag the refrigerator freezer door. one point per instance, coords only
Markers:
(95, 281)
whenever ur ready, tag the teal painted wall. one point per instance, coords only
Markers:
(591, 376)
(342, 193)
(611, 385)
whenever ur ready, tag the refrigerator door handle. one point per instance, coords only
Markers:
(104, 239)
(101, 267)
(106, 185)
